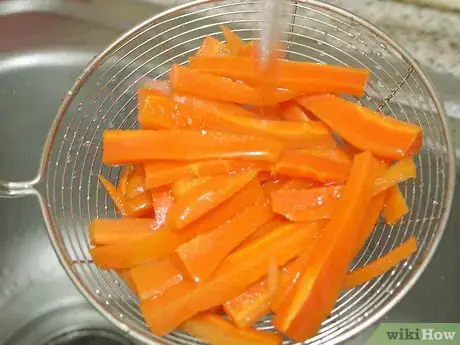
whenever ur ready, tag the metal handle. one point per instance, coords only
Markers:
(18, 189)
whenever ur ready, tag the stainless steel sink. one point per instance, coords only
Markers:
(47, 44)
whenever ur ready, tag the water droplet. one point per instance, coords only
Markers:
(109, 296)
(319, 43)
(435, 202)
(98, 292)
(69, 93)
(379, 54)
(121, 316)
(410, 267)
(107, 302)
(80, 105)
(203, 131)
(322, 53)
(366, 314)
(87, 198)
(117, 282)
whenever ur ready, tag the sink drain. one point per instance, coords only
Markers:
(89, 337)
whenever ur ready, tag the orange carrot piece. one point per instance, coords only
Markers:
(234, 42)
(135, 182)
(301, 205)
(381, 265)
(162, 200)
(294, 113)
(202, 255)
(236, 273)
(116, 196)
(126, 276)
(395, 206)
(211, 46)
(123, 180)
(113, 231)
(262, 231)
(250, 50)
(298, 184)
(304, 77)
(188, 112)
(205, 197)
(160, 87)
(153, 279)
(165, 173)
(323, 165)
(183, 186)
(319, 284)
(288, 277)
(213, 329)
(126, 255)
(246, 197)
(383, 136)
(139, 206)
(398, 172)
(187, 80)
(132, 146)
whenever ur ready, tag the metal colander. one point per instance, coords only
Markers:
(105, 96)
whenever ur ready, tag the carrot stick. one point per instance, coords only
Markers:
(139, 206)
(135, 183)
(126, 255)
(132, 146)
(304, 77)
(153, 279)
(323, 165)
(398, 172)
(202, 255)
(383, 136)
(126, 276)
(113, 231)
(123, 180)
(294, 113)
(205, 197)
(250, 50)
(162, 200)
(381, 265)
(187, 80)
(116, 196)
(183, 186)
(319, 284)
(160, 87)
(211, 46)
(236, 273)
(262, 231)
(395, 206)
(188, 112)
(234, 42)
(165, 173)
(213, 329)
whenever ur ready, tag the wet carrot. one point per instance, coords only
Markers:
(381, 265)
(383, 136)
(116, 196)
(183, 186)
(234, 42)
(203, 198)
(250, 50)
(133, 146)
(213, 329)
(126, 276)
(211, 47)
(165, 173)
(200, 257)
(160, 87)
(319, 284)
(153, 279)
(139, 206)
(294, 113)
(135, 182)
(113, 231)
(123, 180)
(264, 230)
(307, 78)
(400, 171)
(236, 273)
(395, 206)
(322, 165)
(190, 81)
(162, 201)
(129, 254)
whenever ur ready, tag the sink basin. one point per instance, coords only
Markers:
(50, 42)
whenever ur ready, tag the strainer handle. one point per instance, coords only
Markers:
(18, 189)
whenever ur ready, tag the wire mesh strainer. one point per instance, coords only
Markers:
(104, 96)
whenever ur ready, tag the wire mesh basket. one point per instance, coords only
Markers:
(105, 96)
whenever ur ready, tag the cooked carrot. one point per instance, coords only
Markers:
(123, 180)
(268, 112)
(262, 231)
(183, 186)
(234, 42)
(202, 255)
(381, 265)
(246, 197)
(165, 173)
(322, 165)
(162, 200)
(294, 113)
(160, 87)
(236, 273)
(250, 50)
(139, 206)
(126, 276)
(188, 112)
(126, 255)
(133, 146)
(400, 171)
(254, 303)
(319, 284)
(135, 183)
(297, 183)
(300, 205)
(194, 82)
(116, 196)
(383, 136)
(113, 231)
(211, 46)
(153, 279)
(395, 206)
(213, 329)
(205, 197)
(304, 77)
